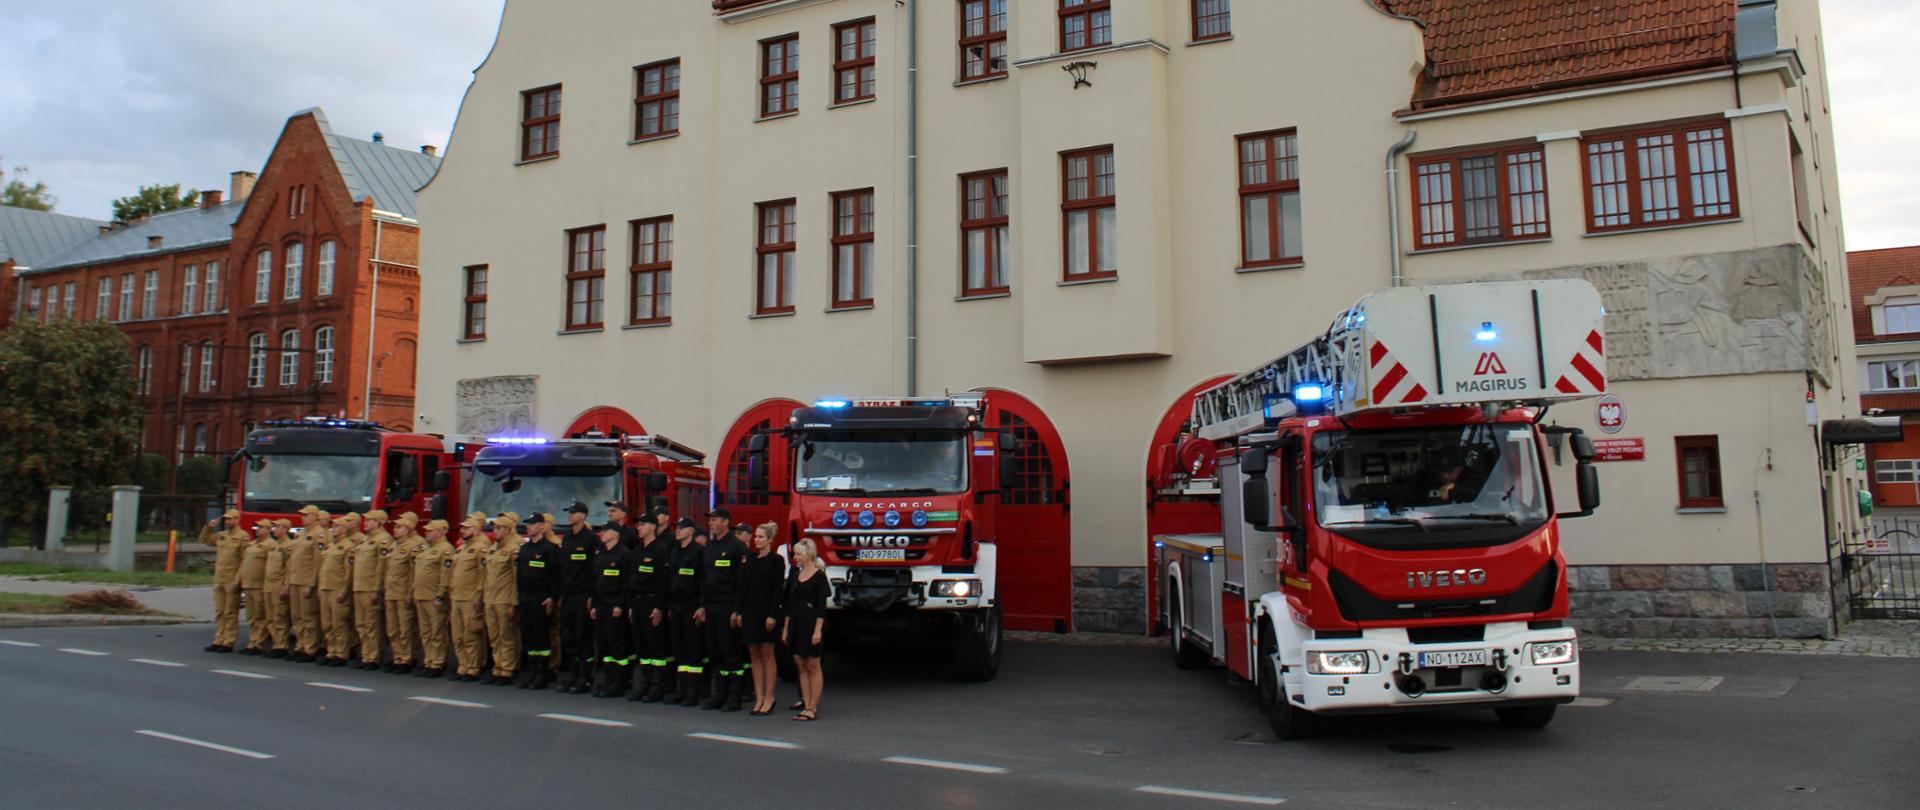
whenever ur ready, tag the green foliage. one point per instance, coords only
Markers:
(67, 411)
(150, 200)
(19, 193)
(199, 475)
(153, 475)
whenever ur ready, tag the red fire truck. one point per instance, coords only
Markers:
(528, 474)
(339, 465)
(1389, 536)
(900, 497)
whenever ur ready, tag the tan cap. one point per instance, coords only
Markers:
(263, 523)
(375, 514)
(283, 523)
(477, 515)
(506, 520)
(231, 514)
(348, 519)
(408, 519)
(310, 509)
(474, 521)
(436, 525)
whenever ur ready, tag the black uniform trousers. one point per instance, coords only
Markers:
(651, 642)
(689, 643)
(576, 633)
(724, 648)
(536, 634)
(612, 638)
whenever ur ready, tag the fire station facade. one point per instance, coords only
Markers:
(702, 214)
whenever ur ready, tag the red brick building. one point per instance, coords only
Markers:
(1886, 328)
(292, 294)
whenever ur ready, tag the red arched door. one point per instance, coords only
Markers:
(1034, 532)
(730, 477)
(1179, 501)
(607, 420)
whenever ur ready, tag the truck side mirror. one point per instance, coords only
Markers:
(757, 468)
(1254, 502)
(1253, 462)
(1586, 484)
(1009, 443)
(437, 507)
(441, 480)
(409, 472)
(226, 469)
(757, 443)
(1009, 464)
(656, 482)
(1582, 447)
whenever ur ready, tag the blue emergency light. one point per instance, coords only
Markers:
(1309, 393)
(517, 440)
(1486, 332)
(829, 403)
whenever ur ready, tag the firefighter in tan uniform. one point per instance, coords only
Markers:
(432, 565)
(467, 613)
(336, 587)
(398, 588)
(277, 592)
(227, 544)
(303, 573)
(501, 594)
(253, 585)
(369, 576)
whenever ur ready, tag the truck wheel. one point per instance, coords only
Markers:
(1185, 655)
(1525, 716)
(976, 650)
(1288, 721)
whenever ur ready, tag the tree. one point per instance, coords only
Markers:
(18, 193)
(152, 200)
(68, 414)
(199, 475)
(153, 475)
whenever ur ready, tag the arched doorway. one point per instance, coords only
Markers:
(606, 420)
(1033, 525)
(730, 473)
(1180, 499)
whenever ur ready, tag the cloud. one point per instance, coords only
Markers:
(1871, 63)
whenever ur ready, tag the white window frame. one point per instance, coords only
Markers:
(126, 297)
(66, 298)
(323, 285)
(289, 358)
(33, 304)
(257, 360)
(1897, 316)
(323, 355)
(206, 366)
(186, 366)
(144, 371)
(1876, 372)
(103, 301)
(149, 294)
(296, 258)
(179, 442)
(263, 277)
(212, 296)
(1896, 471)
(189, 289)
(199, 438)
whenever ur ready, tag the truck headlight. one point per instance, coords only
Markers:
(956, 588)
(1548, 653)
(1340, 662)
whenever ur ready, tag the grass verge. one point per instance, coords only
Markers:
(61, 573)
(41, 604)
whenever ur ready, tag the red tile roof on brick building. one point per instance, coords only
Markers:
(1870, 270)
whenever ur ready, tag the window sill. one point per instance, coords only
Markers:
(1211, 40)
(990, 78)
(1656, 228)
(782, 313)
(470, 340)
(984, 296)
(854, 103)
(1502, 243)
(647, 325)
(1262, 268)
(541, 159)
(849, 308)
(1700, 510)
(1075, 282)
(664, 136)
(580, 330)
(1093, 51)
(775, 117)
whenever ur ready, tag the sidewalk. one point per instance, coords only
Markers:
(194, 603)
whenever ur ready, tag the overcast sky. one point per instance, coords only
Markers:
(100, 96)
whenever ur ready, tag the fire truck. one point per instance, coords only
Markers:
(899, 495)
(339, 465)
(1389, 537)
(528, 474)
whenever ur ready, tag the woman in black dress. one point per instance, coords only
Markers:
(806, 620)
(759, 609)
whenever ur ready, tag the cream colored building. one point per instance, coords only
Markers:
(1727, 303)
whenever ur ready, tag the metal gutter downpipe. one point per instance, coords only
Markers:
(1393, 203)
(373, 321)
(913, 198)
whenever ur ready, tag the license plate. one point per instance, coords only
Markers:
(1453, 658)
(895, 554)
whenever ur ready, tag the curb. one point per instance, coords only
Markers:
(15, 620)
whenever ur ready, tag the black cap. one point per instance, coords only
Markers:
(610, 527)
(538, 517)
(720, 512)
(685, 523)
(620, 505)
(577, 506)
(659, 512)
(742, 528)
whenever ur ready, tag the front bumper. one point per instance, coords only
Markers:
(880, 589)
(1396, 680)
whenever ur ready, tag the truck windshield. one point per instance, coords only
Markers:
(276, 482)
(871, 462)
(545, 491)
(1428, 479)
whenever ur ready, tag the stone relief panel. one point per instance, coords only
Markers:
(491, 406)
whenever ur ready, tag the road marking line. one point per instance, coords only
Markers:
(204, 744)
(156, 662)
(1184, 793)
(753, 741)
(12, 643)
(1592, 701)
(591, 721)
(465, 704)
(340, 686)
(945, 765)
(78, 651)
(240, 673)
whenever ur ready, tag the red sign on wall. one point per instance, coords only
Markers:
(1626, 449)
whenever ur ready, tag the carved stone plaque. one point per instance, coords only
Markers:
(491, 406)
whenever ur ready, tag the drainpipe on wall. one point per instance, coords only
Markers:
(913, 198)
(1393, 203)
(373, 320)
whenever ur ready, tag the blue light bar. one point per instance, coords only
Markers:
(517, 440)
(1486, 332)
(829, 403)
(1306, 393)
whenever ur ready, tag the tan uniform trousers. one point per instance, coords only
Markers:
(366, 621)
(432, 616)
(305, 615)
(400, 630)
(226, 614)
(259, 619)
(469, 637)
(277, 619)
(504, 629)
(336, 620)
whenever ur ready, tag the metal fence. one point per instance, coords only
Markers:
(90, 520)
(1883, 570)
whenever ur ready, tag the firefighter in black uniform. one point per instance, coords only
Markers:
(537, 575)
(617, 518)
(661, 525)
(649, 576)
(577, 569)
(723, 578)
(683, 601)
(611, 637)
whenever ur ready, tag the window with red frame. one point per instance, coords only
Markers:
(651, 282)
(1087, 213)
(1480, 196)
(1212, 19)
(586, 276)
(853, 248)
(773, 273)
(853, 61)
(983, 39)
(1270, 199)
(780, 76)
(1668, 175)
(474, 308)
(540, 123)
(1699, 471)
(657, 106)
(1085, 24)
(983, 233)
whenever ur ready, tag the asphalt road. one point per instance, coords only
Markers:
(99, 717)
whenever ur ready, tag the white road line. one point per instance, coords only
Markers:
(340, 686)
(1184, 793)
(156, 662)
(1592, 701)
(204, 744)
(11, 643)
(945, 765)
(753, 741)
(590, 721)
(78, 651)
(465, 704)
(240, 673)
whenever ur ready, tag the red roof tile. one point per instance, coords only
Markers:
(1479, 50)
(1870, 270)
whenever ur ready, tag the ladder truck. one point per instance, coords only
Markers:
(527, 474)
(1389, 538)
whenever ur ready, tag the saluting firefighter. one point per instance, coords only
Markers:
(649, 576)
(502, 596)
(723, 578)
(612, 638)
(432, 570)
(537, 574)
(467, 612)
(228, 542)
(303, 573)
(336, 588)
(279, 549)
(577, 572)
(683, 603)
(369, 576)
(253, 584)
(397, 587)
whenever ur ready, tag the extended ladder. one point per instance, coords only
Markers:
(1248, 402)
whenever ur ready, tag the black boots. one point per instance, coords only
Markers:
(642, 682)
(692, 689)
(736, 689)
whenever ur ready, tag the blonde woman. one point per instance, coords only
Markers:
(806, 609)
(760, 613)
